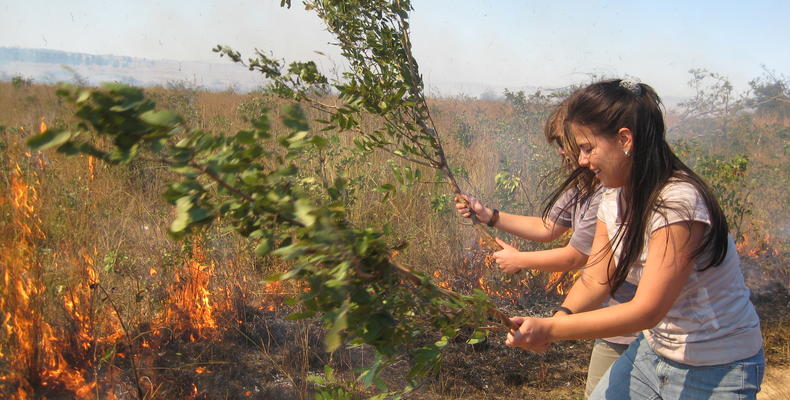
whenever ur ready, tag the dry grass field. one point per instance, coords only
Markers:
(98, 302)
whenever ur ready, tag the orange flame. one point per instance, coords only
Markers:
(273, 292)
(755, 248)
(34, 350)
(190, 309)
(561, 282)
(442, 284)
(91, 167)
(194, 392)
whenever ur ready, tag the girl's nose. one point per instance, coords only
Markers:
(583, 159)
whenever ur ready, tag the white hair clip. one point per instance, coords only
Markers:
(632, 86)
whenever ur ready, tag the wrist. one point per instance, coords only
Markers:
(485, 214)
(493, 217)
(559, 311)
(522, 260)
(548, 325)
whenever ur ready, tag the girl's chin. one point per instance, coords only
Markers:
(611, 185)
(608, 183)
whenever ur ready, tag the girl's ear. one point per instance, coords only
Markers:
(625, 139)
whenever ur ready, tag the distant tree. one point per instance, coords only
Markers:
(770, 96)
(19, 81)
(713, 99)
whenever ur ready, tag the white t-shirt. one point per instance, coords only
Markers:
(579, 216)
(712, 321)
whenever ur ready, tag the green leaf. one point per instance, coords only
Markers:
(251, 176)
(319, 142)
(197, 214)
(303, 210)
(264, 247)
(477, 337)
(294, 118)
(297, 137)
(333, 340)
(181, 222)
(69, 149)
(48, 139)
(187, 171)
(84, 96)
(300, 315)
(384, 188)
(370, 375)
(245, 137)
(163, 118)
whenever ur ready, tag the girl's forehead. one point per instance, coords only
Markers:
(581, 132)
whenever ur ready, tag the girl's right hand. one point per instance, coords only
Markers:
(532, 334)
(483, 213)
(508, 258)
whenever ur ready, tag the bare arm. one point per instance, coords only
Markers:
(530, 228)
(560, 259)
(592, 287)
(666, 271)
(527, 227)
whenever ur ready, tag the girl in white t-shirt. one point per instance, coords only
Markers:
(659, 227)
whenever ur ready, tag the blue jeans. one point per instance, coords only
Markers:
(640, 373)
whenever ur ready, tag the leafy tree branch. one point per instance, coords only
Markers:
(352, 283)
(383, 81)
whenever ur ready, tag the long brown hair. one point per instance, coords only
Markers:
(557, 132)
(606, 107)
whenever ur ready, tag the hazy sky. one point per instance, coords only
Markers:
(459, 44)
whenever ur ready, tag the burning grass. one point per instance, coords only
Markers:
(203, 344)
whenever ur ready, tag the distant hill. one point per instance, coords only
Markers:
(51, 66)
(45, 56)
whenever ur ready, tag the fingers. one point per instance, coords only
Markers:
(464, 212)
(463, 209)
(527, 336)
(503, 258)
(510, 340)
(470, 200)
(516, 339)
(468, 207)
(505, 245)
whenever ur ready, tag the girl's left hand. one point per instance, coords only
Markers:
(507, 258)
(532, 334)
